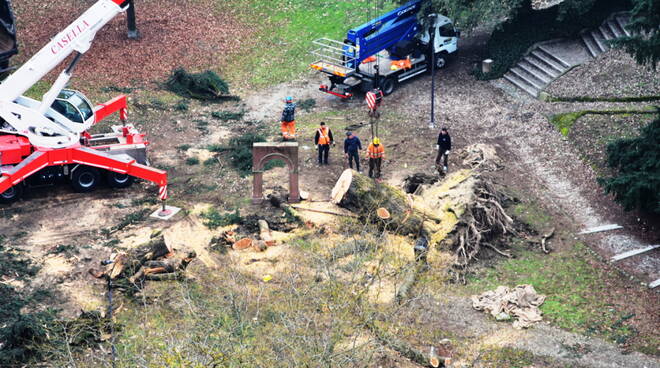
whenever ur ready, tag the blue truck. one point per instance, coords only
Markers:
(385, 51)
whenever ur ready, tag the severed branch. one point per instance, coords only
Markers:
(544, 238)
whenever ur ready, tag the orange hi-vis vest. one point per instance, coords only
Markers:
(324, 137)
(376, 152)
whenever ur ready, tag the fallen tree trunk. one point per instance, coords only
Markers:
(363, 195)
(464, 212)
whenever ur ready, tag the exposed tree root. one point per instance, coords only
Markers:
(484, 220)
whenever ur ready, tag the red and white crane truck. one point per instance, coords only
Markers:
(44, 142)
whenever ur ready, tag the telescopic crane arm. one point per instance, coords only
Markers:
(36, 120)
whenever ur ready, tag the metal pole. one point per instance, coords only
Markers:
(432, 30)
(130, 17)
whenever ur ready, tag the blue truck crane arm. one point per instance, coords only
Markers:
(382, 33)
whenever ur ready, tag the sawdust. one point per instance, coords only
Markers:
(56, 266)
(200, 153)
(191, 234)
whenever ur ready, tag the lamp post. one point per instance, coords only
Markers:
(432, 45)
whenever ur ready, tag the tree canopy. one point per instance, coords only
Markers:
(636, 185)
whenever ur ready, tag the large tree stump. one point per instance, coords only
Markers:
(363, 195)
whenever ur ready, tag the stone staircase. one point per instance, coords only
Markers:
(595, 40)
(536, 70)
(547, 61)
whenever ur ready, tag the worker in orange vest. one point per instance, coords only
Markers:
(323, 139)
(376, 153)
(288, 120)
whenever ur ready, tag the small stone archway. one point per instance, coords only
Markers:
(262, 152)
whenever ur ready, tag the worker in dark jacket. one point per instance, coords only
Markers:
(352, 146)
(323, 139)
(288, 121)
(443, 147)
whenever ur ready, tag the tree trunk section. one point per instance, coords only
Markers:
(364, 196)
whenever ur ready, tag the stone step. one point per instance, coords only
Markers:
(521, 84)
(532, 69)
(605, 31)
(600, 41)
(542, 66)
(554, 57)
(614, 28)
(558, 68)
(622, 22)
(590, 44)
(527, 77)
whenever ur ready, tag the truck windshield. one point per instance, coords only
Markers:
(72, 105)
(447, 30)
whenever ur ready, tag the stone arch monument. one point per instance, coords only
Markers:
(262, 152)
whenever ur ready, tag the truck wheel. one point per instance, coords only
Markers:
(117, 180)
(387, 86)
(441, 60)
(85, 179)
(12, 194)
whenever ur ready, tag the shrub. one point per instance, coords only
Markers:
(192, 161)
(307, 104)
(215, 219)
(240, 152)
(637, 160)
(228, 115)
(182, 105)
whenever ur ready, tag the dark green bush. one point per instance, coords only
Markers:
(307, 104)
(239, 150)
(228, 115)
(215, 219)
(636, 185)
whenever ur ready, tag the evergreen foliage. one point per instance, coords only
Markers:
(637, 160)
(202, 86)
(644, 44)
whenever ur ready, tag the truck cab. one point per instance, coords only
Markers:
(445, 38)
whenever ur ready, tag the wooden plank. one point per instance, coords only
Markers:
(633, 252)
(654, 284)
(601, 228)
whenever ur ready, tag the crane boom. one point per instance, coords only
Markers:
(77, 37)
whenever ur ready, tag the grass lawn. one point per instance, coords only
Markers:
(574, 288)
(280, 50)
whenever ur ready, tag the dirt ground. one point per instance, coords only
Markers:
(539, 163)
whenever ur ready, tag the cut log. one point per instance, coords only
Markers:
(259, 246)
(362, 195)
(130, 261)
(242, 244)
(174, 263)
(265, 234)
